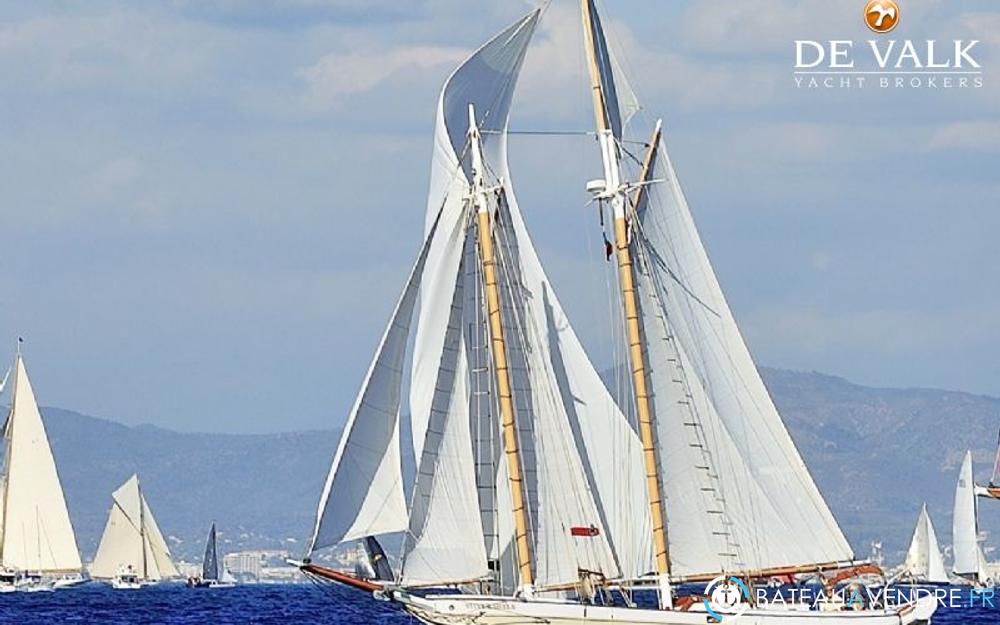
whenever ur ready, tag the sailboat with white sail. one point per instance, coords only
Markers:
(538, 499)
(924, 563)
(970, 562)
(37, 545)
(132, 552)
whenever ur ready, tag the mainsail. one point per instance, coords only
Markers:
(738, 496)
(37, 535)
(131, 539)
(969, 558)
(923, 559)
(210, 563)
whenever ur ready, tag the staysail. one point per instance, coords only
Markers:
(210, 563)
(132, 539)
(923, 559)
(37, 535)
(969, 559)
(738, 495)
(363, 495)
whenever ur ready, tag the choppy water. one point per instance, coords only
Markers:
(175, 604)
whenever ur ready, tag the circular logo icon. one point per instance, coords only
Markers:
(881, 15)
(726, 597)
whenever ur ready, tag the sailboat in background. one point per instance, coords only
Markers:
(924, 563)
(132, 552)
(992, 490)
(213, 573)
(537, 498)
(970, 562)
(37, 544)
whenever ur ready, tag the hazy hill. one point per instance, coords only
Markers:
(876, 453)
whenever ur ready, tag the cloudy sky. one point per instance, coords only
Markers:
(207, 208)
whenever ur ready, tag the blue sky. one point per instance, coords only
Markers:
(207, 208)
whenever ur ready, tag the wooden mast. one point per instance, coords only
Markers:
(498, 350)
(626, 274)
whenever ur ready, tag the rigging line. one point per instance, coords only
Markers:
(543, 133)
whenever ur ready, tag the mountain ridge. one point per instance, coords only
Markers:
(876, 454)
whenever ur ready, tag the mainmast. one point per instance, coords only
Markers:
(614, 191)
(142, 529)
(499, 351)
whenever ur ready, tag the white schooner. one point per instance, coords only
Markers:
(37, 544)
(538, 497)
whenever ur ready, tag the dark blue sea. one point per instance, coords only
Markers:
(285, 604)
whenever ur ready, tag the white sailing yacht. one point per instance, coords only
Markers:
(970, 562)
(132, 552)
(924, 563)
(37, 544)
(537, 499)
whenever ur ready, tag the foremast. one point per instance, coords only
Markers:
(614, 191)
(498, 350)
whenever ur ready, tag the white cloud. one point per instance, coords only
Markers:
(338, 75)
(976, 136)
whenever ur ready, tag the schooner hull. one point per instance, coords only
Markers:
(469, 610)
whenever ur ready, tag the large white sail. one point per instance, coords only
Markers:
(923, 559)
(965, 526)
(363, 495)
(132, 539)
(581, 458)
(37, 533)
(737, 494)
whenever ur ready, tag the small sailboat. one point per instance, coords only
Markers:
(37, 545)
(924, 563)
(970, 562)
(538, 499)
(992, 490)
(132, 552)
(213, 573)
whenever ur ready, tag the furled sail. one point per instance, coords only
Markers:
(363, 495)
(923, 559)
(210, 563)
(37, 534)
(738, 495)
(581, 459)
(132, 539)
(968, 555)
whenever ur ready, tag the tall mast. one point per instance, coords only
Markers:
(626, 280)
(142, 528)
(499, 352)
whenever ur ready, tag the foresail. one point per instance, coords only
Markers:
(582, 461)
(445, 540)
(965, 527)
(38, 535)
(157, 553)
(363, 495)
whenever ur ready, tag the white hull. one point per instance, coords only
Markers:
(470, 610)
